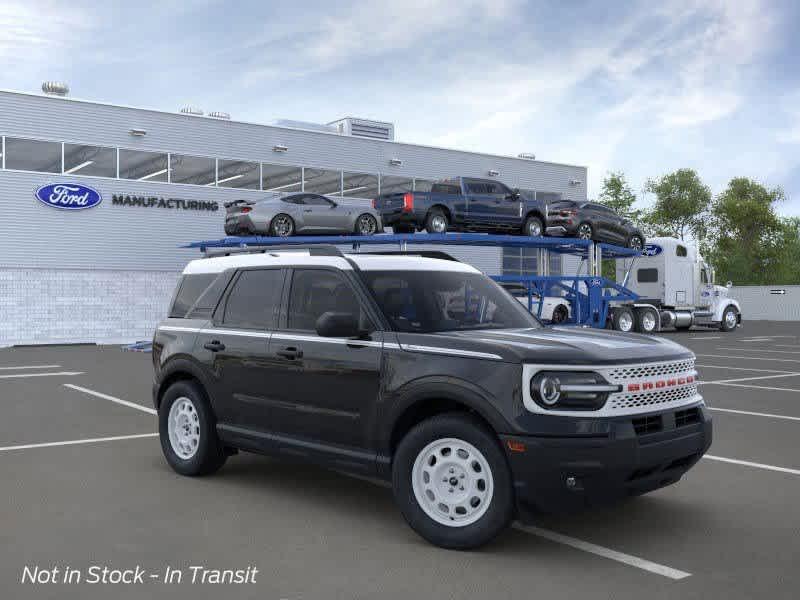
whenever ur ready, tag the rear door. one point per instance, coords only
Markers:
(324, 388)
(235, 346)
(478, 203)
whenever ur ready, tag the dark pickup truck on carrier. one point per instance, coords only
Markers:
(464, 204)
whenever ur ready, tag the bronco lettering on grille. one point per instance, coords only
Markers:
(660, 384)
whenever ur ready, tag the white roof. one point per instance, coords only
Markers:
(366, 262)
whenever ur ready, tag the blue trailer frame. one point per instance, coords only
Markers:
(590, 296)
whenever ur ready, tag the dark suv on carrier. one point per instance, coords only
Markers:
(420, 370)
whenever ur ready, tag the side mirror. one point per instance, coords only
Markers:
(333, 204)
(514, 195)
(729, 285)
(338, 324)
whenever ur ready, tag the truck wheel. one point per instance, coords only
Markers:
(730, 319)
(452, 482)
(436, 222)
(560, 314)
(623, 319)
(635, 242)
(533, 227)
(646, 320)
(187, 429)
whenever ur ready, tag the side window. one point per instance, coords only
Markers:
(317, 291)
(253, 300)
(647, 275)
(703, 276)
(680, 251)
(189, 290)
(295, 199)
(317, 200)
(474, 187)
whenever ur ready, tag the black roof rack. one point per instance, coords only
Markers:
(312, 249)
(423, 253)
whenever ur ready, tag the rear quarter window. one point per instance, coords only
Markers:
(446, 188)
(647, 275)
(190, 288)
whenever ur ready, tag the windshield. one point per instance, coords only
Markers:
(434, 301)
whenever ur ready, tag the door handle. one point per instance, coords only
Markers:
(214, 346)
(308, 210)
(290, 353)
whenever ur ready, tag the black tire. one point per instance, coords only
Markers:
(623, 319)
(276, 226)
(645, 325)
(361, 221)
(560, 314)
(437, 221)
(403, 228)
(585, 231)
(534, 227)
(725, 325)
(500, 509)
(636, 242)
(210, 454)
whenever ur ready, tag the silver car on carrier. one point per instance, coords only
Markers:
(283, 215)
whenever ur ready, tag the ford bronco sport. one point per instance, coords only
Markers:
(420, 370)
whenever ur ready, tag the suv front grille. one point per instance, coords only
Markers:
(645, 371)
(626, 401)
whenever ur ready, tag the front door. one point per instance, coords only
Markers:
(504, 206)
(236, 345)
(320, 214)
(323, 388)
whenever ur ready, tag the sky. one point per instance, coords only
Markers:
(639, 87)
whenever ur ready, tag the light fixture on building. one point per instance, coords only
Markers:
(138, 132)
(395, 162)
(280, 148)
(192, 110)
(493, 173)
(527, 155)
(216, 114)
(575, 182)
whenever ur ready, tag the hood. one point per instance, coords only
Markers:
(558, 345)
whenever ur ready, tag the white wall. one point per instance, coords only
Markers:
(759, 303)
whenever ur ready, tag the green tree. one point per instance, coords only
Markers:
(618, 195)
(749, 243)
(681, 205)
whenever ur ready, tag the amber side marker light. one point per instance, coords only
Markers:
(516, 446)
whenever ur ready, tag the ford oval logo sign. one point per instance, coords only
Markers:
(652, 250)
(68, 196)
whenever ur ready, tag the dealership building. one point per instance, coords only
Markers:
(105, 273)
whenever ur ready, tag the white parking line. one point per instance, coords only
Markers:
(747, 463)
(721, 381)
(77, 442)
(754, 414)
(741, 369)
(628, 559)
(30, 367)
(763, 350)
(791, 360)
(706, 337)
(553, 536)
(150, 411)
(20, 375)
(760, 387)
(786, 346)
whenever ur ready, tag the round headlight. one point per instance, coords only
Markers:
(549, 389)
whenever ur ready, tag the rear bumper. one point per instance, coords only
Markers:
(569, 474)
(237, 224)
(398, 216)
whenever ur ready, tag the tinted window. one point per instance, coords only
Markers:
(254, 299)
(476, 188)
(196, 170)
(647, 275)
(426, 302)
(314, 292)
(144, 166)
(295, 199)
(189, 290)
(703, 276)
(208, 300)
(238, 174)
(280, 178)
(90, 160)
(446, 188)
(33, 155)
(316, 200)
(680, 251)
(497, 188)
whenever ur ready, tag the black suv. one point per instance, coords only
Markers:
(422, 371)
(592, 221)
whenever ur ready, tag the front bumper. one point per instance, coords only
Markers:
(565, 474)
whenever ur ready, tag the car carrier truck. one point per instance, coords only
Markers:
(676, 289)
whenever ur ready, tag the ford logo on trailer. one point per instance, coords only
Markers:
(652, 250)
(68, 196)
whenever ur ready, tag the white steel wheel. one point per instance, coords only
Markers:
(648, 321)
(183, 426)
(623, 320)
(438, 223)
(452, 482)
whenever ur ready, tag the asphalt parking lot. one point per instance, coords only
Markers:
(84, 483)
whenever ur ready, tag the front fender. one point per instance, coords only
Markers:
(723, 304)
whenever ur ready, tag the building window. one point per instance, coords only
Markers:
(195, 170)
(144, 166)
(95, 161)
(360, 185)
(238, 174)
(524, 261)
(323, 181)
(396, 185)
(33, 155)
(280, 178)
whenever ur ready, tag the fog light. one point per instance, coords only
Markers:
(571, 482)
